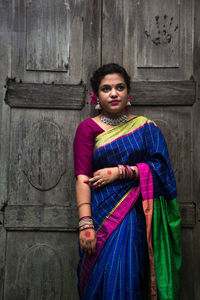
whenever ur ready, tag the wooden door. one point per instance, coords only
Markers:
(154, 41)
(49, 50)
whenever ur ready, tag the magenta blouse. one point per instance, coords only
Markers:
(84, 146)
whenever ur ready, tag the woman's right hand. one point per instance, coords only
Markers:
(88, 241)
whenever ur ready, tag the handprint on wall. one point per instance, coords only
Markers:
(164, 31)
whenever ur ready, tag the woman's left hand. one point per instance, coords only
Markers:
(104, 176)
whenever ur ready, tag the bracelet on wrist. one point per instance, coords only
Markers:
(85, 203)
(84, 227)
(85, 222)
(85, 217)
(127, 172)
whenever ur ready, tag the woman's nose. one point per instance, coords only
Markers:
(113, 93)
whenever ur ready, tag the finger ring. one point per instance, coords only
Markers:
(100, 181)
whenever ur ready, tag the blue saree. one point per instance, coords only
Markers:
(138, 237)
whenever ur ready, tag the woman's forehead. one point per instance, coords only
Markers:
(112, 79)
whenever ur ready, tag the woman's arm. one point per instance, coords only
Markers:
(87, 237)
(108, 175)
(83, 195)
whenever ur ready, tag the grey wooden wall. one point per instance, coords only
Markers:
(48, 51)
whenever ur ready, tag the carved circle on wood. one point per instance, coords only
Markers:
(171, 141)
(39, 274)
(44, 155)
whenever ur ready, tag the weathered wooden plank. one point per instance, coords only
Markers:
(113, 31)
(196, 152)
(41, 218)
(163, 93)
(41, 265)
(65, 218)
(196, 60)
(48, 35)
(2, 255)
(5, 37)
(187, 290)
(33, 95)
(188, 214)
(158, 34)
(72, 96)
(33, 137)
(126, 43)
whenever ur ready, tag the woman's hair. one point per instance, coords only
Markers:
(105, 70)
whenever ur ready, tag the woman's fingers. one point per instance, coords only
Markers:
(93, 244)
(88, 242)
(89, 247)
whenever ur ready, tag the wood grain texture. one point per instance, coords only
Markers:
(41, 265)
(196, 193)
(45, 96)
(44, 158)
(196, 153)
(188, 214)
(187, 270)
(2, 256)
(124, 40)
(58, 218)
(5, 37)
(72, 96)
(67, 47)
(196, 61)
(48, 33)
(113, 31)
(158, 33)
(34, 134)
(163, 93)
(41, 218)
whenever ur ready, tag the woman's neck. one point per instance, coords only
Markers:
(113, 115)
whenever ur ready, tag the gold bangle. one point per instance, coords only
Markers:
(88, 203)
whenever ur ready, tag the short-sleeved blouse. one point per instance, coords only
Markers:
(84, 146)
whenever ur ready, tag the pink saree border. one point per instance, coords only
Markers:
(147, 190)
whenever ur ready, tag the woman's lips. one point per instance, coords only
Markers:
(114, 102)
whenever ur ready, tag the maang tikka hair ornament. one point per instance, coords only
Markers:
(95, 101)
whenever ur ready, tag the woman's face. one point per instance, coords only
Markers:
(113, 94)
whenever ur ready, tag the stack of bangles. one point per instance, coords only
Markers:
(85, 223)
(127, 172)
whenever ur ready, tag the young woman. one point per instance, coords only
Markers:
(126, 197)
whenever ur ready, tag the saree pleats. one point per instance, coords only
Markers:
(122, 268)
(137, 223)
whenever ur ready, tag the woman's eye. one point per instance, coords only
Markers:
(120, 87)
(105, 89)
